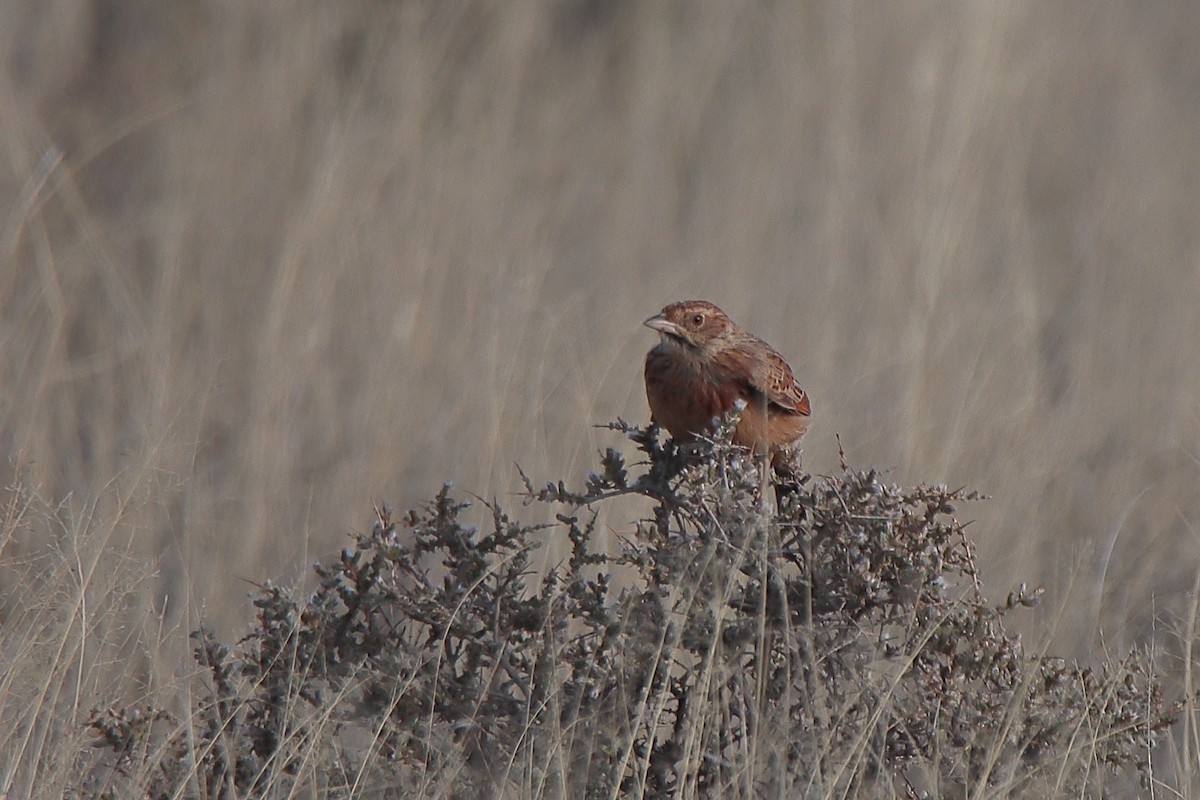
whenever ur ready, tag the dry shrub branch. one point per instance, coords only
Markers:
(837, 646)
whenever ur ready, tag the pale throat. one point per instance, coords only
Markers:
(688, 360)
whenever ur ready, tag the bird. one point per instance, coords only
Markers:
(705, 364)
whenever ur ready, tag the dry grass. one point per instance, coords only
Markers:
(264, 264)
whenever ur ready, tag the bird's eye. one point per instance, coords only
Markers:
(698, 320)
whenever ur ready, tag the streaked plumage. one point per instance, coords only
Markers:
(704, 363)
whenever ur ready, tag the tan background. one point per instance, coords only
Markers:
(266, 263)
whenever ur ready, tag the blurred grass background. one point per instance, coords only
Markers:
(265, 264)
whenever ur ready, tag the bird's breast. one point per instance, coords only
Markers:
(684, 395)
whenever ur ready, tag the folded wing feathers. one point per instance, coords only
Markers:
(773, 378)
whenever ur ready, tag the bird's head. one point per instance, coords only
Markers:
(693, 323)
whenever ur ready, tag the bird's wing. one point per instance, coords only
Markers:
(772, 376)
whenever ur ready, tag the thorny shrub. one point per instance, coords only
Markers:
(836, 645)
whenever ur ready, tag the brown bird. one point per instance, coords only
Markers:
(704, 364)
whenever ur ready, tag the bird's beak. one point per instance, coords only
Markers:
(663, 325)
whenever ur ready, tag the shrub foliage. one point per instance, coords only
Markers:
(837, 644)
